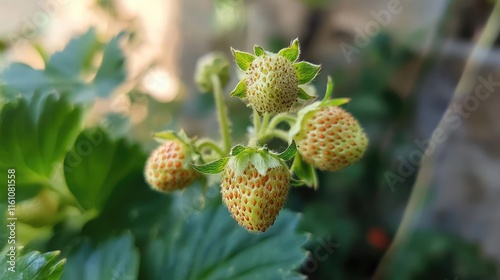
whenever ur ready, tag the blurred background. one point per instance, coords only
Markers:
(424, 201)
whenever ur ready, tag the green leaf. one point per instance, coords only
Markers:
(240, 89)
(303, 95)
(305, 172)
(211, 245)
(32, 265)
(96, 165)
(289, 153)
(35, 136)
(75, 57)
(24, 78)
(115, 258)
(237, 149)
(111, 73)
(306, 71)
(258, 50)
(243, 59)
(291, 53)
(67, 71)
(213, 167)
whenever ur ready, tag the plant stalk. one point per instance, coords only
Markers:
(221, 114)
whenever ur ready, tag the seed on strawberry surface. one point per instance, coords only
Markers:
(254, 199)
(331, 139)
(272, 85)
(168, 169)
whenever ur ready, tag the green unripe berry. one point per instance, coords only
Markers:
(272, 84)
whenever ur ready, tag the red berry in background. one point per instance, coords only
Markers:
(377, 238)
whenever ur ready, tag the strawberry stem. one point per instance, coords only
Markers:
(276, 133)
(289, 119)
(221, 114)
(265, 123)
(256, 123)
(209, 143)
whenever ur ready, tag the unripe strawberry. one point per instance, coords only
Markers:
(272, 81)
(272, 85)
(168, 168)
(330, 138)
(255, 199)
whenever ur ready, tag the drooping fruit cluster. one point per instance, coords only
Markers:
(255, 181)
(272, 85)
(253, 199)
(331, 139)
(168, 167)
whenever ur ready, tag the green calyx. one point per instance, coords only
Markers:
(241, 157)
(304, 71)
(307, 111)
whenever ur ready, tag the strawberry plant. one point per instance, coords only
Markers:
(99, 207)
(255, 179)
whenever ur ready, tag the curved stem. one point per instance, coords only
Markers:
(279, 119)
(277, 133)
(209, 143)
(264, 124)
(256, 123)
(221, 114)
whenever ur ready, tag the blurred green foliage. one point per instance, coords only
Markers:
(109, 223)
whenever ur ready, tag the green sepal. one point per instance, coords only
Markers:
(243, 59)
(335, 102)
(236, 150)
(291, 53)
(213, 167)
(163, 136)
(301, 115)
(289, 153)
(296, 183)
(328, 93)
(329, 89)
(304, 172)
(261, 160)
(258, 50)
(309, 109)
(240, 90)
(193, 154)
(306, 71)
(302, 94)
